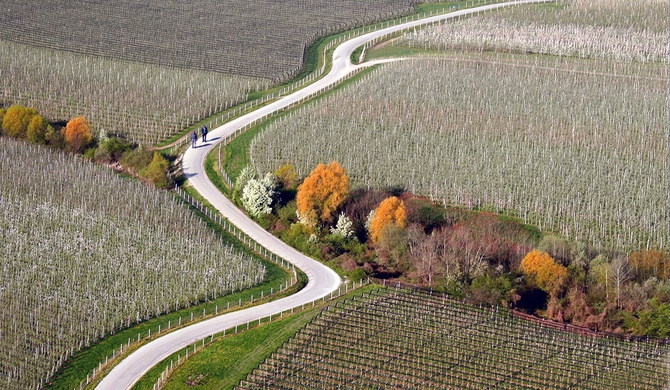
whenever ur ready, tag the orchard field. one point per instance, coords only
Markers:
(147, 71)
(402, 339)
(86, 252)
(603, 29)
(145, 103)
(571, 144)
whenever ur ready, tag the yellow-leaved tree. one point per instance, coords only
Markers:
(287, 176)
(321, 193)
(37, 129)
(77, 134)
(548, 275)
(16, 120)
(390, 211)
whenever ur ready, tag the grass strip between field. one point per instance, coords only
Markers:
(225, 362)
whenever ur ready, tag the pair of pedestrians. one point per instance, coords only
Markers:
(194, 136)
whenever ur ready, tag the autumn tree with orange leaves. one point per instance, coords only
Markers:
(390, 211)
(541, 268)
(650, 263)
(77, 134)
(322, 193)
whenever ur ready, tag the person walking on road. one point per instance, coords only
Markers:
(203, 131)
(194, 139)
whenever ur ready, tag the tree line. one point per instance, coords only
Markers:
(480, 256)
(77, 136)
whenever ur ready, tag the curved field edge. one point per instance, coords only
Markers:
(82, 364)
(79, 241)
(90, 365)
(80, 361)
(317, 62)
(223, 363)
(150, 102)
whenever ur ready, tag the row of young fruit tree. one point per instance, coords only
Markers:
(410, 339)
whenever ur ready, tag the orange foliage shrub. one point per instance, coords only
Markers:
(650, 263)
(544, 271)
(77, 134)
(321, 193)
(390, 210)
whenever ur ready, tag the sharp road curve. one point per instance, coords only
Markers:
(322, 280)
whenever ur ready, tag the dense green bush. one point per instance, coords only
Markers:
(137, 159)
(157, 171)
(112, 149)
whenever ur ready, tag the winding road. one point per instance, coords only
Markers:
(321, 279)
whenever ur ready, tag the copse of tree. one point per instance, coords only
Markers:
(543, 271)
(111, 149)
(390, 211)
(16, 120)
(322, 193)
(77, 134)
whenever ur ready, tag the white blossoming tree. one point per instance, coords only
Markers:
(257, 195)
(344, 227)
(245, 175)
(368, 220)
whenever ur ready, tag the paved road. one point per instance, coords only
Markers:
(322, 280)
